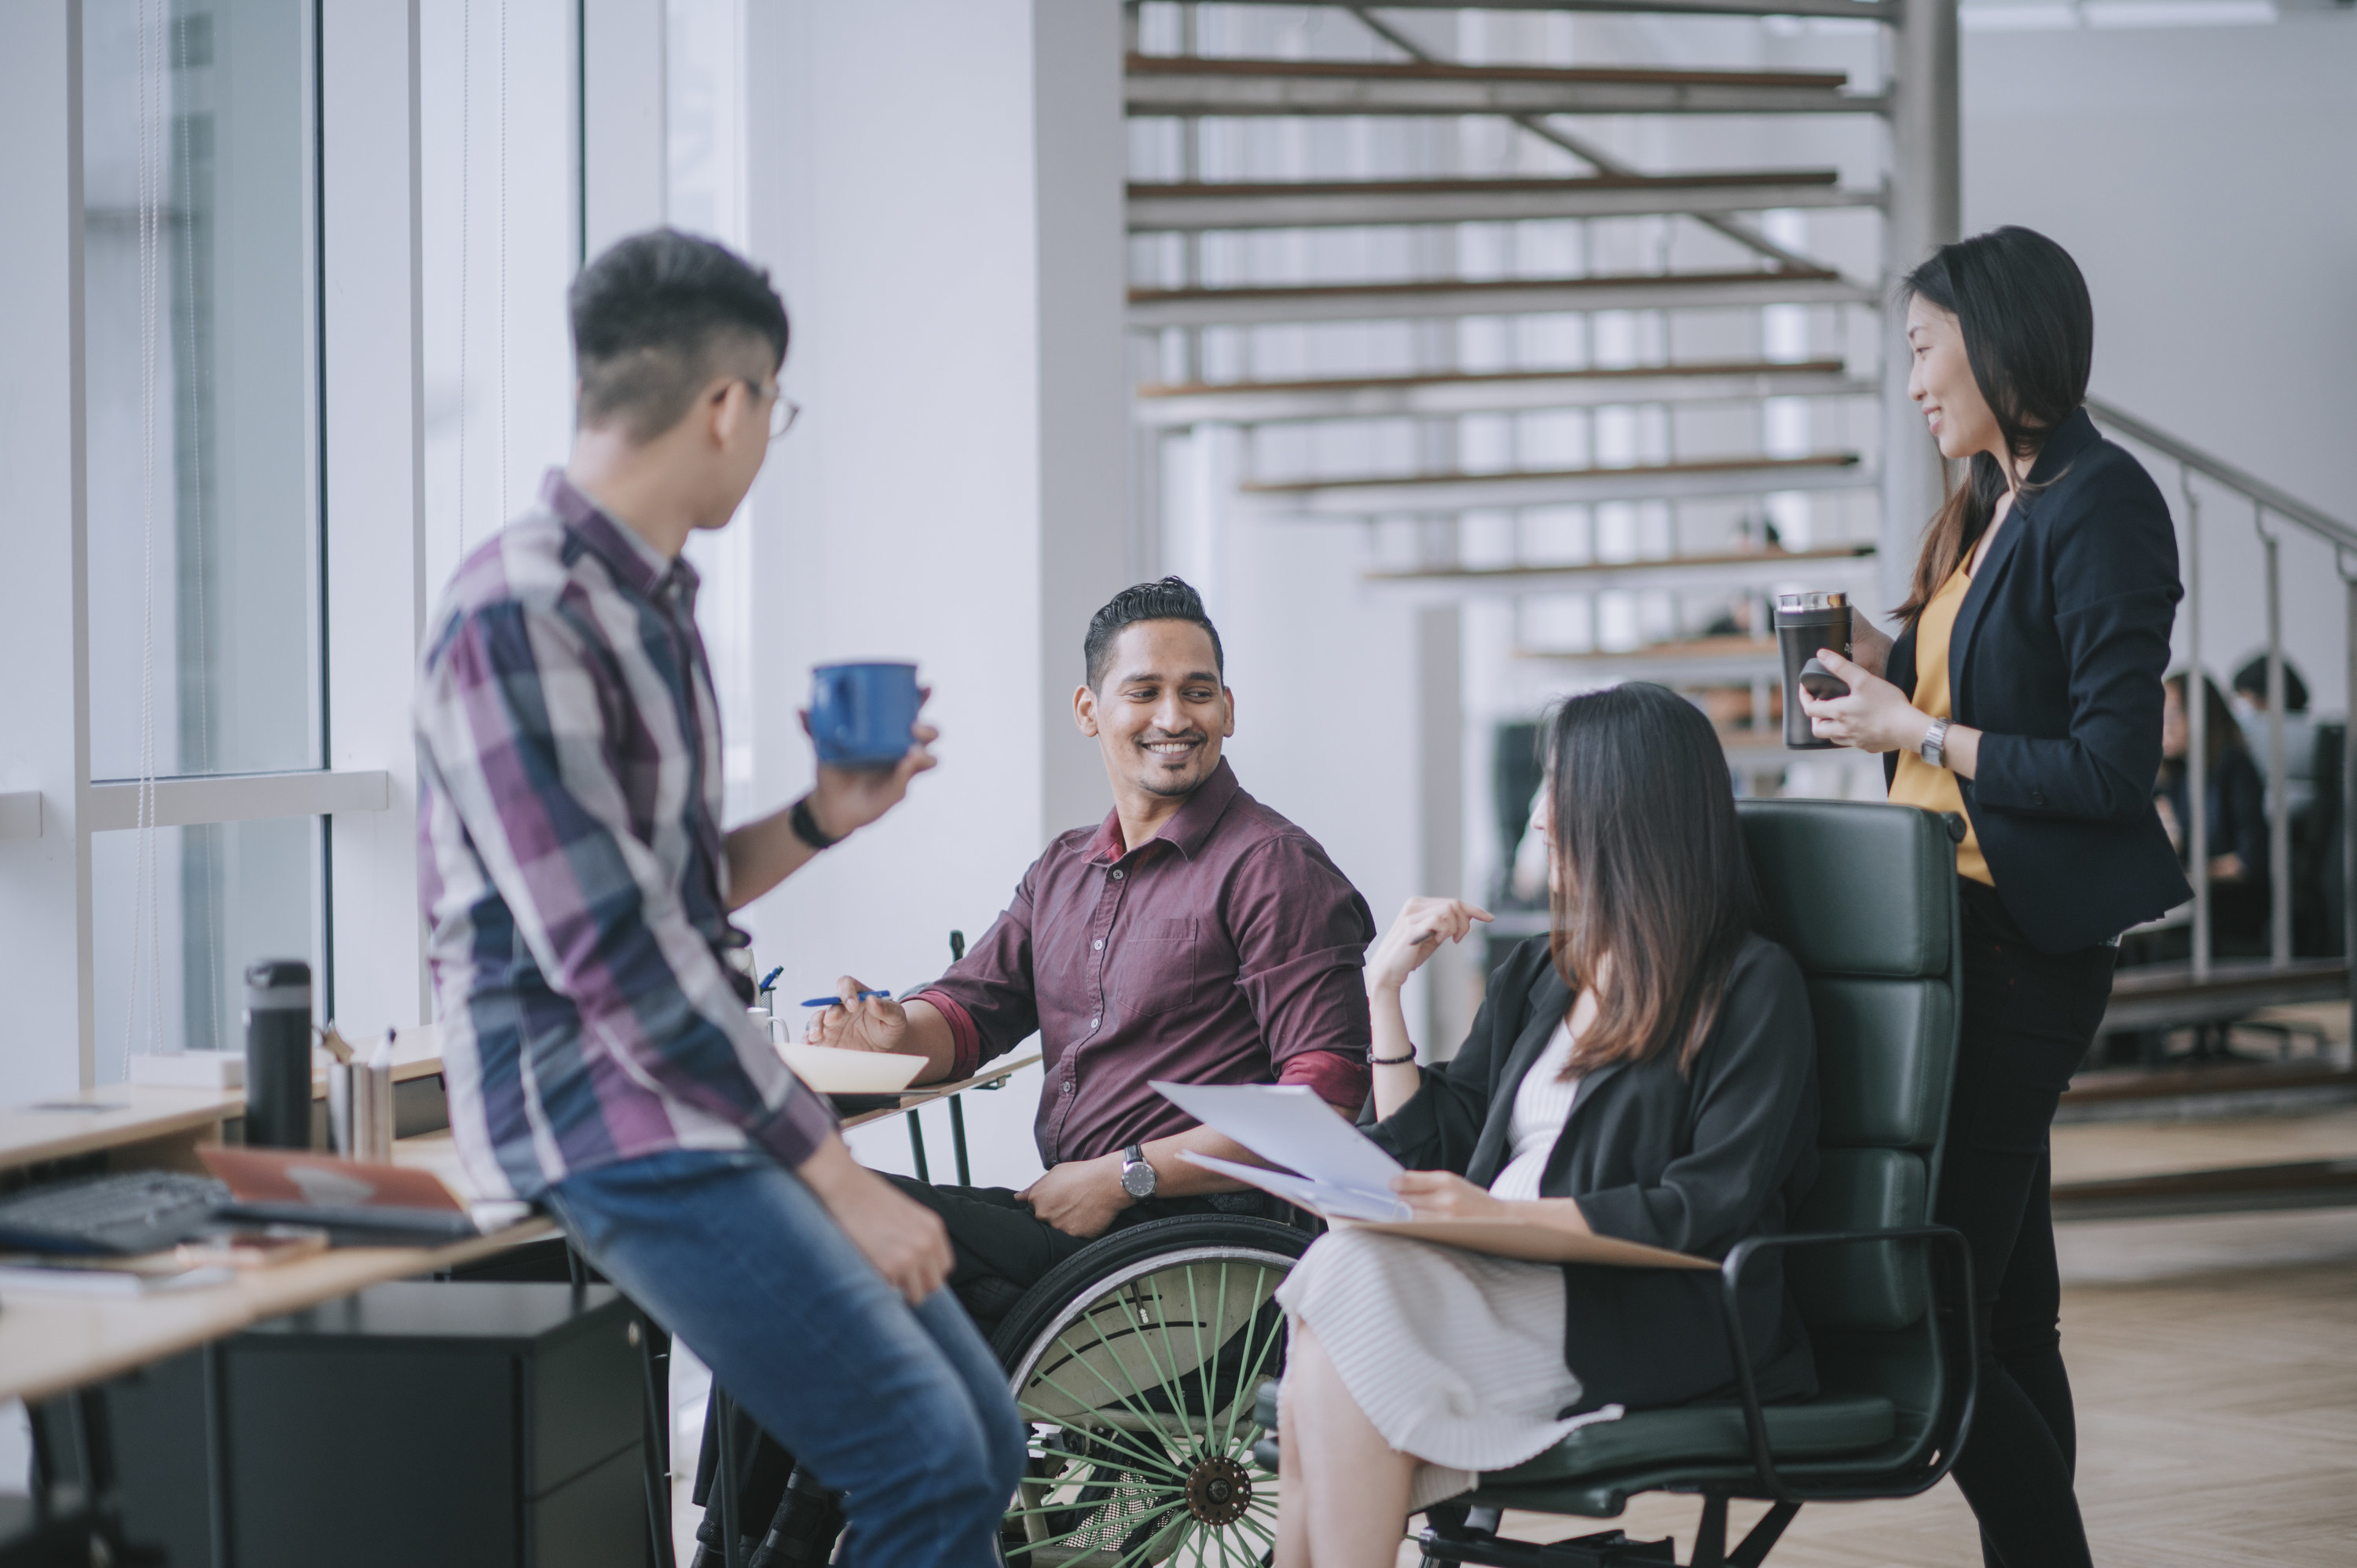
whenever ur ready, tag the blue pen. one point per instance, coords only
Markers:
(770, 978)
(837, 1001)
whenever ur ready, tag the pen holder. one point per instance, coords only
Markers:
(360, 1111)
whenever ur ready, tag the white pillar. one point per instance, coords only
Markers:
(623, 150)
(44, 928)
(375, 454)
(936, 185)
(1926, 212)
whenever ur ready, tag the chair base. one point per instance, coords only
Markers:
(1476, 1542)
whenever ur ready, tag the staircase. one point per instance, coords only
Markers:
(1746, 416)
(1543, 292)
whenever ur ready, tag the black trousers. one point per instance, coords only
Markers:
(1002, 1250)
(2028, 1020)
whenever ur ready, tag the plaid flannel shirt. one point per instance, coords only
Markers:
(571, 867)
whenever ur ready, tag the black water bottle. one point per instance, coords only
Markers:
(278, 1054)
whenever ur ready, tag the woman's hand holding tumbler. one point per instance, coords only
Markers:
(1875, 716)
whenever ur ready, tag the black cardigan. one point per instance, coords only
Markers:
(1694, 1165)
(2057, 656)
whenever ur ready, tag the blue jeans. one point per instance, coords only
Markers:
(902, 1409)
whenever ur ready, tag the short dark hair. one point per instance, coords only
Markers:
(2251, 680)
(1169, 599)
(652, 315)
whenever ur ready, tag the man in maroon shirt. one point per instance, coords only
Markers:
(1194, 935)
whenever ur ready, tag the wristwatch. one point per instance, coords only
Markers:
(1136, 1175)
(1935, 744)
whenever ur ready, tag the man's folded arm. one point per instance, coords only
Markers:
(512, 715)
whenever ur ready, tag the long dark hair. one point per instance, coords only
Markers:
(1651, 872)
(2030, 336)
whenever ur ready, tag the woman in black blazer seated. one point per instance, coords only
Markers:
(2024, 694)
(1646, 1071)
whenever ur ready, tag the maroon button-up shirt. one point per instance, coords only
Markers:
(1227, 949)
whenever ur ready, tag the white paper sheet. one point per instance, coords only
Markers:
(1334, 1202)
(1289, 1125)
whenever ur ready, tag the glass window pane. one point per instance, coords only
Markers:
(197, 269)
(174, 929)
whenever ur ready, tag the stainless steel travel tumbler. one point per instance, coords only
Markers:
(1804, 623)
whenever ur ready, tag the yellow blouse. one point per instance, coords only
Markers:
(1917, 782)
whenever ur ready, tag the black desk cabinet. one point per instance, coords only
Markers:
(450, 1424)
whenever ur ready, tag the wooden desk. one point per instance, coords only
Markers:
(50, 1344)
(143, 1127)
(137, 1126)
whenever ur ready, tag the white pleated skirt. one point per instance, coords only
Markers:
(1456, 1357)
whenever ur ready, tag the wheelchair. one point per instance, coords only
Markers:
(1133, 1364)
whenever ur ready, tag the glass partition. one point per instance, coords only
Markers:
(199, 271)
(199, 276)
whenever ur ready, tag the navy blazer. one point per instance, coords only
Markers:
(2057, 658)
(1692, 1164)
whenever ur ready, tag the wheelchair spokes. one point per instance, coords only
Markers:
(1140, 1404)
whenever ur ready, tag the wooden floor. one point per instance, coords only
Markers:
(2215, 1366)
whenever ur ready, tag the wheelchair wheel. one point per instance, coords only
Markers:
(1134, 1364)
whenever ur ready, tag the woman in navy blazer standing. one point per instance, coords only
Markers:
(2024, 694)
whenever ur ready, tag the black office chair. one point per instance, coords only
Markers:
(1865, 898)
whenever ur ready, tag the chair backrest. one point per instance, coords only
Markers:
(1864, 897)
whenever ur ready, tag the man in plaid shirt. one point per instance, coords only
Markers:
(577, 887)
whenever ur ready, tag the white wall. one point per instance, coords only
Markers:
(2202, 179)
(936, 185)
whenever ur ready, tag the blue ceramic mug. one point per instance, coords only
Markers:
(861, 715)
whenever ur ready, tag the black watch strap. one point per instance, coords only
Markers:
(805, 826)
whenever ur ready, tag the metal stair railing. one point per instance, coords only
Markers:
(2267, 502)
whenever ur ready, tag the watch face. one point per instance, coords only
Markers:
(1137, 1180)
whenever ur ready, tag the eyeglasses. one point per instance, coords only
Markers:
(783, 410)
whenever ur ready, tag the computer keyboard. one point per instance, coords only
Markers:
(125, 1213)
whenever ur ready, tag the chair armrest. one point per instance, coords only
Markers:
(1755, 1420)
